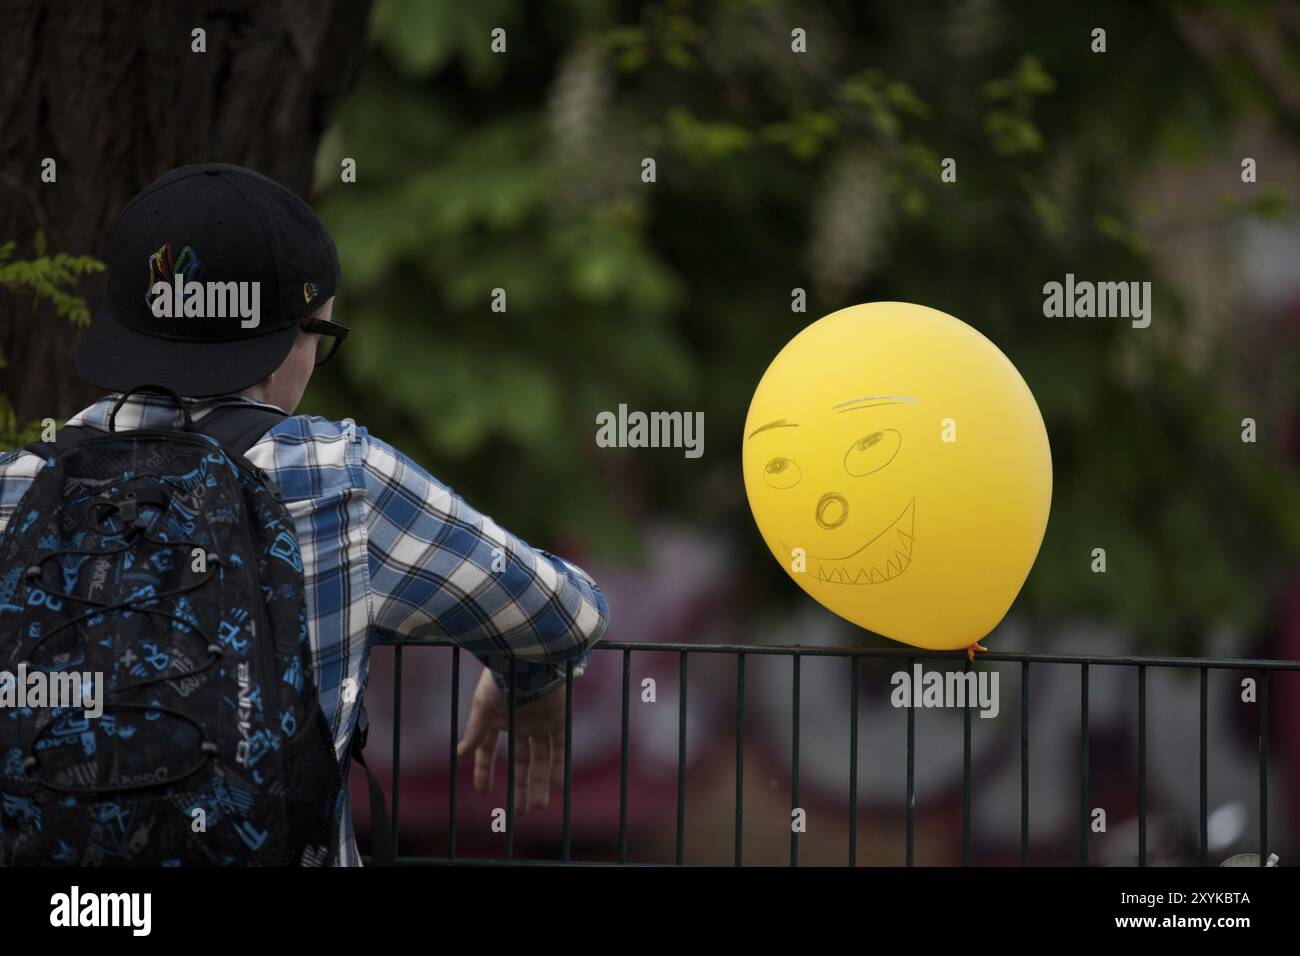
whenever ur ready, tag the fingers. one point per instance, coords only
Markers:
(482, 740)
(539, 757)
(469, 740)
(476, 729)
(485, 758)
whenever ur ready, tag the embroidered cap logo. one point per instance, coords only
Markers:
(162, 269)
(175, 290)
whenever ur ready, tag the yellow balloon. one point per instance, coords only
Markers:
(898, 468)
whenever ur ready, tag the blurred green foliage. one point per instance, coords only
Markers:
(776, 171)
(48, 278)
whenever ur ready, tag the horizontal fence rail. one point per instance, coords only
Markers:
(852, 655)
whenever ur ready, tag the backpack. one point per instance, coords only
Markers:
(164, 561)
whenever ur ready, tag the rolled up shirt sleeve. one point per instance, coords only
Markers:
(439, 568)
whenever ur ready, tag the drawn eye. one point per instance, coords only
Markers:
(782, 473)
(872, 452)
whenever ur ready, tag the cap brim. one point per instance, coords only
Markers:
(114, 357)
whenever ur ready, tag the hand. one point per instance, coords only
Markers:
(539, 749)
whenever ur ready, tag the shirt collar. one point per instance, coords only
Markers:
(145, 410)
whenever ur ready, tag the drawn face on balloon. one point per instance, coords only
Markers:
(897, 467)
(855, 531)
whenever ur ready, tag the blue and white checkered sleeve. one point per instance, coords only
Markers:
(440, 568)
(17, 469)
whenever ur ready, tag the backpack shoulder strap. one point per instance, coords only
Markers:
(66, 437)
(383, 851)
(238, 426)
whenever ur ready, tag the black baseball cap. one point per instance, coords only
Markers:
(243, 255)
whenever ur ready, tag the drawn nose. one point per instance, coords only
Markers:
(832, 510)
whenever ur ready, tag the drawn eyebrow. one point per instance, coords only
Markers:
(872, 401)
(779, 423)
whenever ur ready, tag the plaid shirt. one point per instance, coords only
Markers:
(388, 549)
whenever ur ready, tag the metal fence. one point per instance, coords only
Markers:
(852, 656)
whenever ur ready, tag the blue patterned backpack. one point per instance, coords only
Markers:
(165, 566)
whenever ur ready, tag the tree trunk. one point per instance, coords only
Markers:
(116, 96)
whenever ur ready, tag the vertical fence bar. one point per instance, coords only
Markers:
(794, 763)
(1205, 782)
(1024, 763)
(853, 761)
(681, 760)
(965, 777)
(566, 845)
(740, 750)
(455, 764)
(1263, 768)
(1083, 765)
(397, 738)
(911, 770)
(510, 762)
(622, 759)
(1142, 765)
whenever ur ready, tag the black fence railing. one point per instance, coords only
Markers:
(1261, 668)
